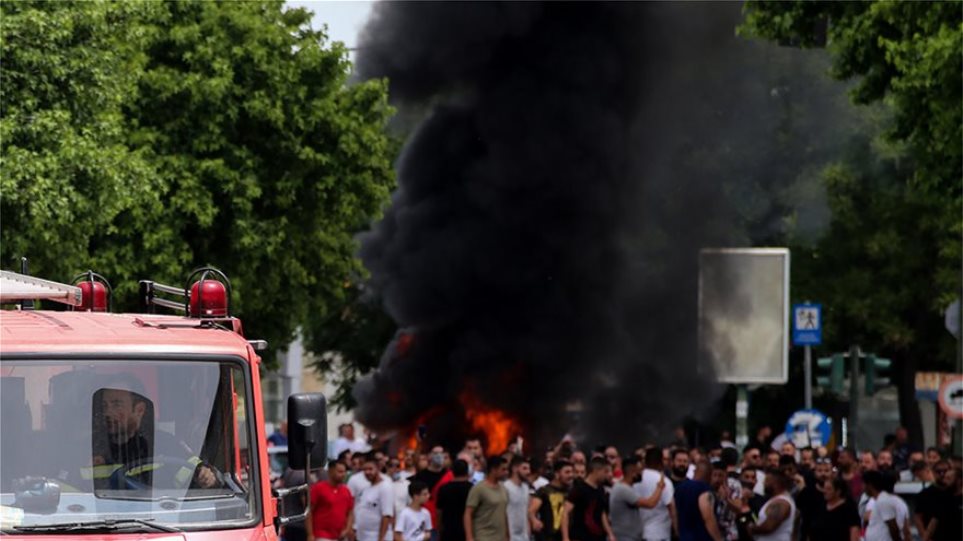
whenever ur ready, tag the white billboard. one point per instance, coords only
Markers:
(744, 314)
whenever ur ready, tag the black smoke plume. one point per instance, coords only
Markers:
(571, 159)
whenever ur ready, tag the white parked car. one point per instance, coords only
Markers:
(278, 460)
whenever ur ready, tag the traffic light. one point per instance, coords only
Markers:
(837, 370)
(875, 372)
(876, 369)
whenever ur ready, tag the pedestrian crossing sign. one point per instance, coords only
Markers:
(807, 322)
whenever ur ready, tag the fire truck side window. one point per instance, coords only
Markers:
(243, 471)
(226, 444)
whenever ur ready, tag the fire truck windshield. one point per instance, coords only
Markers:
(126, 440)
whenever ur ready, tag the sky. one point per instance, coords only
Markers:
(344, 19)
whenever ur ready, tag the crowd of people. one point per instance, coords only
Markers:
(653, 493)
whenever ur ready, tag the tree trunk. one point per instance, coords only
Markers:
(904, 365)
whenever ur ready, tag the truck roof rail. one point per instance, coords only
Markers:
(207, 298)
(16, 287)
(149, 299)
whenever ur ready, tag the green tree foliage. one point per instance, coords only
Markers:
(906, 52)
(188, 133)
(881, 233)
(906, 56)
(67, 172)
(272, 160)
(352, 339)
(890, 262)
(870, 269)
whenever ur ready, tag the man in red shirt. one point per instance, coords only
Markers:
(332, 507)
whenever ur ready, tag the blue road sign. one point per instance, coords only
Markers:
(809, 428)
(807, 324)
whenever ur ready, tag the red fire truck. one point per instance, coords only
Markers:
(139, 426)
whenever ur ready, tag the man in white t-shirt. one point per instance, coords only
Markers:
(347, 442)
(414, 521)
(518, 498)
(659, 522)
(865, 507)
(358, 481)
(374, 504)
(399, 485)
(540, 480)
(889, 519)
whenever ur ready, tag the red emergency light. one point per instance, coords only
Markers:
(95, 292)
(209, 297)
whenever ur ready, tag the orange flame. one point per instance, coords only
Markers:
(498, 427)
(412, 441)
(405, 444)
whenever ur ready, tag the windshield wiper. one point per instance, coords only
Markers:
(105, 524)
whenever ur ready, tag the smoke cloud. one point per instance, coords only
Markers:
(570, 161)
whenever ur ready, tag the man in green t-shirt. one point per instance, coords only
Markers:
(486, 517)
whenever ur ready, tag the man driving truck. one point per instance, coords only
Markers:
(132, 445)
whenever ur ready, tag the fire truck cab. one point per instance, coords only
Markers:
(139, 426)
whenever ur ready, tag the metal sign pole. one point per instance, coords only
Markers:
(807, 331)
(853, 397)
(742, 415)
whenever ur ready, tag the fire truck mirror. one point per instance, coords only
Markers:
(307, 431)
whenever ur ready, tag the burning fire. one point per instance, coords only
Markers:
(413, 440)
(497, 426)
(410, 443)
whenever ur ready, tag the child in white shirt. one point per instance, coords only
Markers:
(414, 521)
